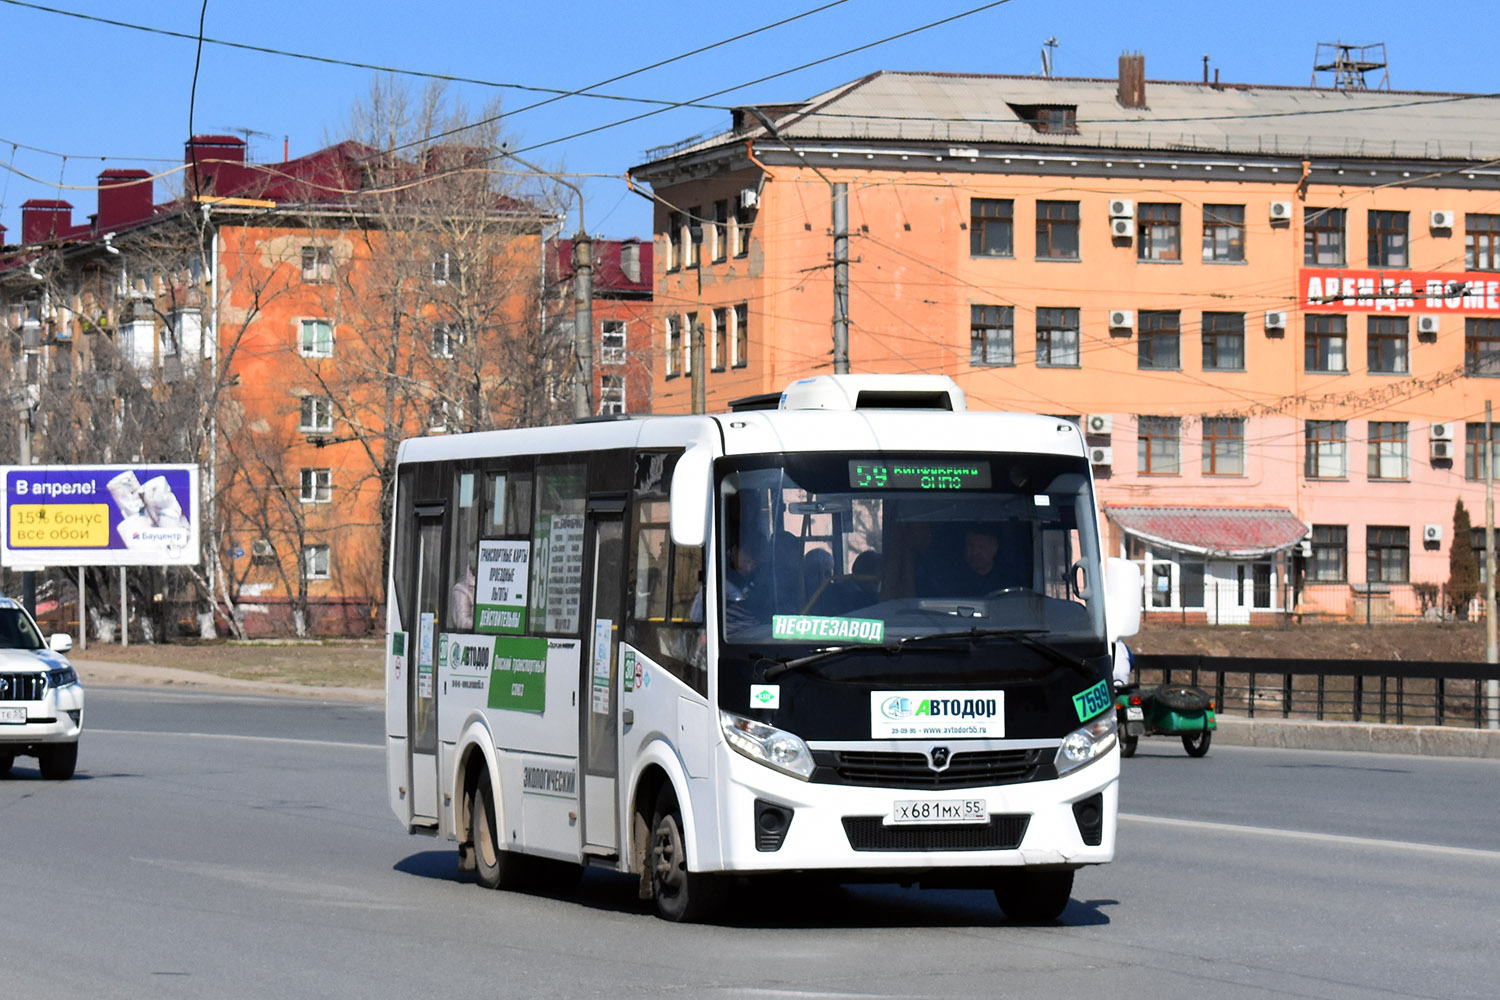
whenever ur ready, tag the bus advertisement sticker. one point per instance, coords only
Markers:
(810, 627)
(765, 695)
(518, 673)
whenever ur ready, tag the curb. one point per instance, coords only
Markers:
(1359, 737)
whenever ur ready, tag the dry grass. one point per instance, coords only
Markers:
(344, 663)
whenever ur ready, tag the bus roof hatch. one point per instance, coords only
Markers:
(873, 392)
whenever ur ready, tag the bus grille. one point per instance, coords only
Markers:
(22, 687)
(1001, 833)
(911, 770)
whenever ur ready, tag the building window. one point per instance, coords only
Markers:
(692, 237)
(1327, 344)
(991, 227)
(1158, 230)
(612, 342)
(1159, 344)
(992, 335)
(1326, 450)
(690, 334)
(1387, 554)
(1385, 345)
(317, 263)
(1475, 467)
(445, 269)
(674, 345)
(1330, 554)
(1057, 230)
(741, 335)
(744, 223)
(315, 562)
(317, 415)
(721, 232)
(1224, 232)
(1387, 449)
(317, 338)
(720, 339)
(1323, 236)
(1223, 446)
(676, 237)
(1387, 239)
(1481, 242)
(1224, 342)
(1477, 543)
(1057, 338)
(317, 485)
(1049, 119)
(1156, 446)
(1482, 347)
(442, 416)
(446, 338)
(611, 394)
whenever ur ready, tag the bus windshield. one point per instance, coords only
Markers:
(835, 549)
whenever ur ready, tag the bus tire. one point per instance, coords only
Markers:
(681, 896)
(495, 868)
(6, 760)
(58, 762)
(1034, 895)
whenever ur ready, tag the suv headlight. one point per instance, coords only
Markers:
(770, 746)
(61, 677)
(1087, 743)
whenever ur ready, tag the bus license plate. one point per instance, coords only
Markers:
(12, 715)
(939, 811)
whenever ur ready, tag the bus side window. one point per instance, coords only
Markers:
(666, 581)
(557, 549)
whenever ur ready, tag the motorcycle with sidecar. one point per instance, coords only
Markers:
(1167, 710)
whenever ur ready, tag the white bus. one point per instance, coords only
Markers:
(862, 635)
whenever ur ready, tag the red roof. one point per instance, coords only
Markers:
(1244, 532)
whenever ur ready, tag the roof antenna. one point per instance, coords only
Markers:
(1047, 48)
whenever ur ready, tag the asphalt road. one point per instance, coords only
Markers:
(228, 846)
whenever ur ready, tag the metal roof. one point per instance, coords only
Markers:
(1239, 532)
(888, 107)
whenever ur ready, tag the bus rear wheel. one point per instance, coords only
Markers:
(1034, 895)
(495, 868)
(680, 895)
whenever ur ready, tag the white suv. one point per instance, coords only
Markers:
(41, 701)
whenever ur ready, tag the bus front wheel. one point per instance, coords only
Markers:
(1034, 895)
(680, 895)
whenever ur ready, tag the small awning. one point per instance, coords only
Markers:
(1229, 532)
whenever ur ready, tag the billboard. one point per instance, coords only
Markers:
(99, 515)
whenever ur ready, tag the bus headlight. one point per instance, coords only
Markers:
(1087, 743)
(770, 746)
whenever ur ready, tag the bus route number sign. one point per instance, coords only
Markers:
(867, 475)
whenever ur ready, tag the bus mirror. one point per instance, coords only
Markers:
(1122, 597)
(692, 488)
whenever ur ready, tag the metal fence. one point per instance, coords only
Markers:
(1387, 691)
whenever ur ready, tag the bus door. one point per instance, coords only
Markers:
(600, 704)
(421, 676)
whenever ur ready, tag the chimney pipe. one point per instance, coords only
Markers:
(1132, 88)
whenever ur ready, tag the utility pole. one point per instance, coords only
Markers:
(28, 577)
(700, 391)
(1491, 653)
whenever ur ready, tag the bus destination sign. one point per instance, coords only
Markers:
(866, 474)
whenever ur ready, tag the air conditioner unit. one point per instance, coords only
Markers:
(1440, 432)
(1122, 228)
(749, 198)
(1281, 211)
(1102, 455)
(261, 548)
(1120, 319)
(1427, 324)
(1121, 208)
(1442, 218)
(1440, 451)
(1275, 319)
(1304, 548)
(1098, 423)
(1432, 532)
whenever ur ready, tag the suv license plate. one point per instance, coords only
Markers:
(938, 811)
(12, 715)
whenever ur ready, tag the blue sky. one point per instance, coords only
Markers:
(85, 96)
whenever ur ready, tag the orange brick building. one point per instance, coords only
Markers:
(1274, 309)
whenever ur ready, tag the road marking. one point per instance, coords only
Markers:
(250, 739)
(1322, 838)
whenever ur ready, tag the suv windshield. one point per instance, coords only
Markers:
(17, 632)
(831, 549)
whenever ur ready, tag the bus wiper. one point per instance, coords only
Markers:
(1023, 636)
(780, 667)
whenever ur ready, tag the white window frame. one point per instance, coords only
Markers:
(446, 337)
(317, 486)
(612, 342)
(316, 415)
(309, 344)
(445, 268)
(317, 263)
(611, 394)
(315, 562)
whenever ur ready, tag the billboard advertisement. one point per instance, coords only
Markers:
(99, 515)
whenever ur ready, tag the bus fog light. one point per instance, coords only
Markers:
(1087, 743)
(770, 746)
